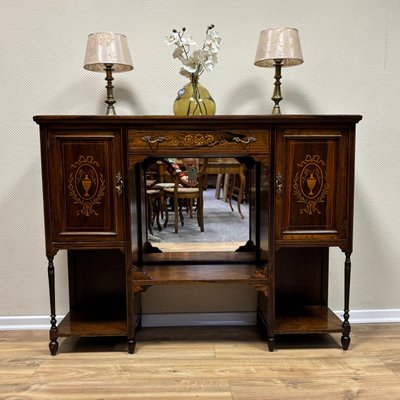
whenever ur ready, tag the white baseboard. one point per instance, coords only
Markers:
(249, 318)
(372, 316)
(199, 319)
(34, 322)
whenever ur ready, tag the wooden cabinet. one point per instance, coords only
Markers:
(83, 187)
(301, 179)
(313, 185)
(83, 178)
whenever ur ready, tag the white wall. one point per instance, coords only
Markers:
(352, 58)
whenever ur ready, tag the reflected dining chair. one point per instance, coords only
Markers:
(186, 196)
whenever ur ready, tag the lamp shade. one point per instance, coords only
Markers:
(278, 44)
(107, 48)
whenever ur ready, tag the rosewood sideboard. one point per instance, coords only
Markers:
(301, 179)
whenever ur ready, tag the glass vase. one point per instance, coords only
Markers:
(194, 99)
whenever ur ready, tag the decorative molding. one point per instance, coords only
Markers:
(199, 319)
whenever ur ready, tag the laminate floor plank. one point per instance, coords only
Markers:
(311, 388)
(203, 363)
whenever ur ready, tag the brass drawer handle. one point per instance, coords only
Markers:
(150, 140)
(278, 184)
(119, 184)
(247, 140)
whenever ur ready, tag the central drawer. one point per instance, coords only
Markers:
(234, 142)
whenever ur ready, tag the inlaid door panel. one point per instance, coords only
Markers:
(86, 185)
(311, 181)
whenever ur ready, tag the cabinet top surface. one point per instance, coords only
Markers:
(194, 119)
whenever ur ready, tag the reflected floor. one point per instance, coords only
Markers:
(224, 230)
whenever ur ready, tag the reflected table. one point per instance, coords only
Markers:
(229, 166)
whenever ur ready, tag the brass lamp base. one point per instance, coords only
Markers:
(110, 96)
(277, 97)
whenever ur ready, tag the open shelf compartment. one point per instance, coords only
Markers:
(87, 324)
(310, 319)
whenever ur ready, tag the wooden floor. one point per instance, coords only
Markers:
(203, 363)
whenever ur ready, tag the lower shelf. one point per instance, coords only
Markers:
(86, 324)
(310, 319)
(197, 273)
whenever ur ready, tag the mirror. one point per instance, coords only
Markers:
(197, 204)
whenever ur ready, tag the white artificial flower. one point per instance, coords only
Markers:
(190, 64)
(209, 64)
(187, 41)
(183, 72)
(198, 56)
(178, 52)
(204, 59)
(213, 41)
(172, 38)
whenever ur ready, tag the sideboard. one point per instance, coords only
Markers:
(301, 173)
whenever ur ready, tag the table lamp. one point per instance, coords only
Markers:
(278, 47)
(109, 52)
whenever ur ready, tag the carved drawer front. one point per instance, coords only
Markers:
(85, 186)
(311, 181)
(224, 141)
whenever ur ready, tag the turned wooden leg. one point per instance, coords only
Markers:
(166, 212)
(241, 191)
(346, 327)
(176, 211)
(226, 187)
(271, 343)
(181, 204)
(232, 185)
(53, 345)
(158, 208)
(150, 212)
(136, 313)
(218, 186)
(200, 210)
(131, 346)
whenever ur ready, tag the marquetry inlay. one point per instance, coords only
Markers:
(86, 185)
(210, 140)
(310, 185)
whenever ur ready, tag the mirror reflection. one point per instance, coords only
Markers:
(197, 204)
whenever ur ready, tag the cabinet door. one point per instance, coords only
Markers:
(313, 169)
(85, 186)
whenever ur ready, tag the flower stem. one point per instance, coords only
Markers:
(199, 105)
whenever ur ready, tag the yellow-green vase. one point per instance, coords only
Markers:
(194, 99)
